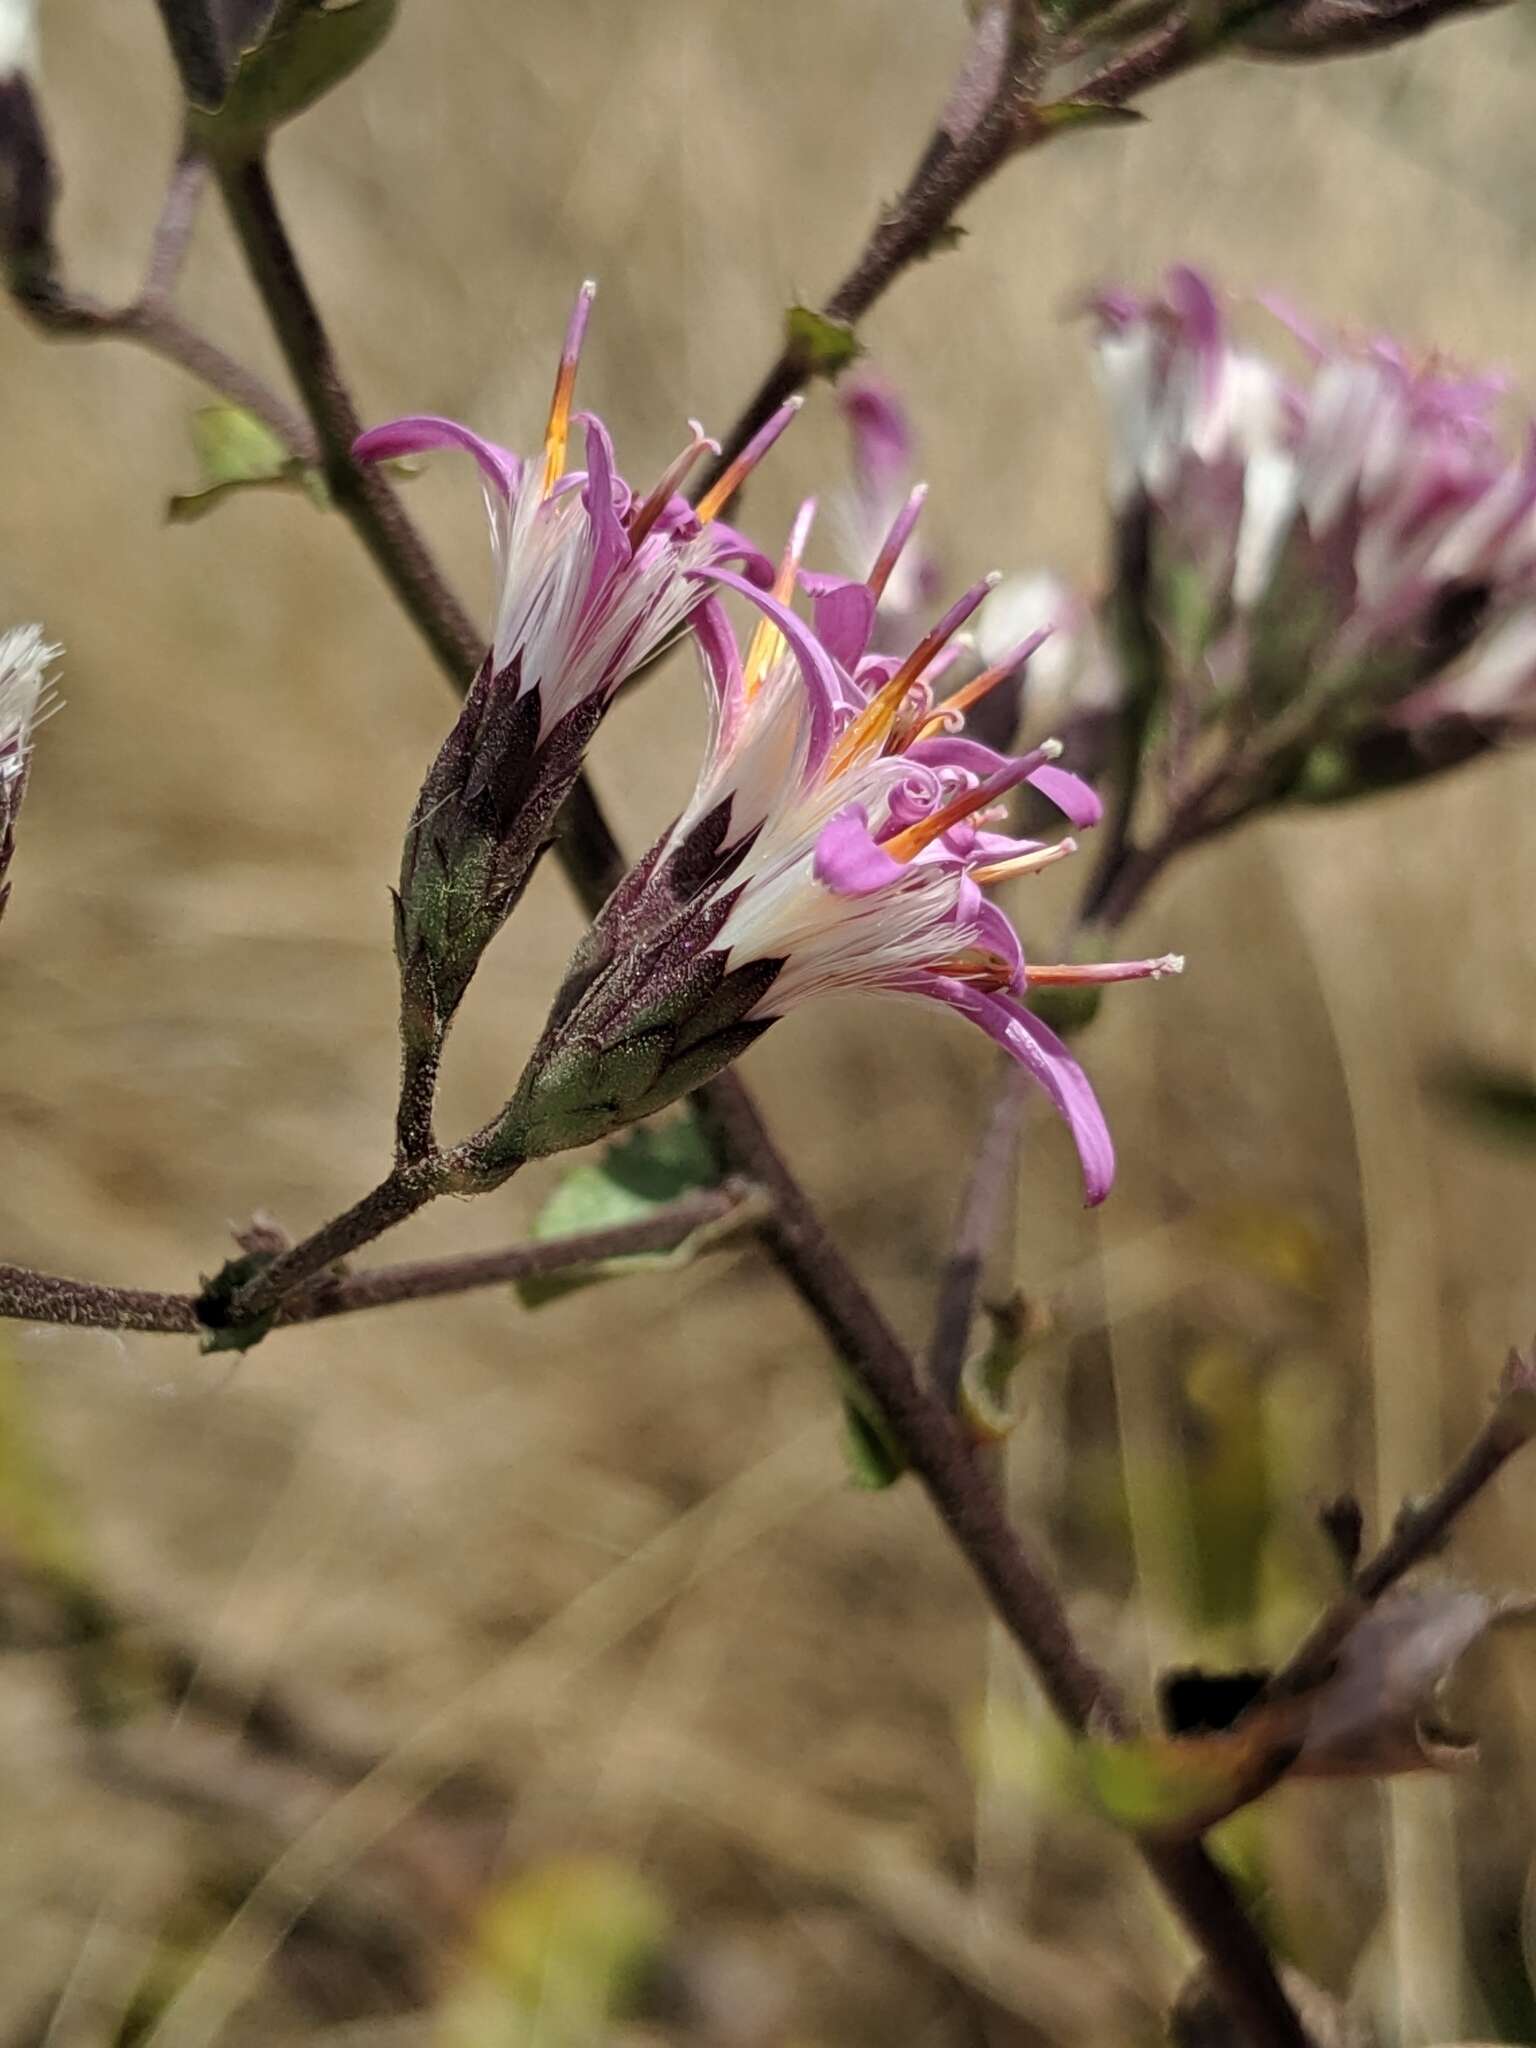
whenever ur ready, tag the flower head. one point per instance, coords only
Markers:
(593, 581)
(25, 699)
(1343, 551)
(842, 836)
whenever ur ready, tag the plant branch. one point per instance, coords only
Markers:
(1018, 1587)
(1420, 1529)
(152, 322)
(30, 1297)
(362, 492)
(969, 145)
(797, 1241)
(150, 318)
(981, 1206)
(399, 1195)
(427, 1279)
(178, 216)
(1237, 1961)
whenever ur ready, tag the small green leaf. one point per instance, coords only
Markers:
(874, 1461)
(1327, 775)
(1494, 1100)
(236, 451)
(1156, 1785)
(233, 446)
(989, 1400)
(305, 48)
(213, 1305)
(945, 238)
(1062, 114)
(636, 1175)
(823, 347)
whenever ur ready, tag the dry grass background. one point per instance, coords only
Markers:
(606, 1557)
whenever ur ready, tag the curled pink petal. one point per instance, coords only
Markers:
(420, 433)
(1069, 793)
(847, 860)
(1041, 1053)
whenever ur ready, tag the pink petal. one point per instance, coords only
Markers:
(1041, 1053)
(847, 860)
(1069, 793)
(420, 432)
(823, 685)
(606, 500)
(844, 613)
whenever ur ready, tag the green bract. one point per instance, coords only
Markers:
(306, 48)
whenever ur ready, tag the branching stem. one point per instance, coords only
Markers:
(30, 1297)
(1421, 1527)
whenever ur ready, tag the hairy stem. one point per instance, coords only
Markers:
(362, 492)
(414, 1138)
(29, 1297)
(399, 1195)
(949, 170)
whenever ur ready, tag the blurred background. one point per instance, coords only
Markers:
(595, 1703)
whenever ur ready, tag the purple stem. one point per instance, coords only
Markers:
(30, 1297)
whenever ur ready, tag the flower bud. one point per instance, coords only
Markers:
(1340, 28)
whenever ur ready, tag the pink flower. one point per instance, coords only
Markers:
(843, 835)
(1342, 548)
(593, 581)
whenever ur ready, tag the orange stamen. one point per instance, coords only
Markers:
(895, 541)
(875, 721)
(1088, 973)
(1023, 863)
(767, 639)
(732, 477)
(557, 434)
(958, 702)
(979, 969)
(646, 515)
